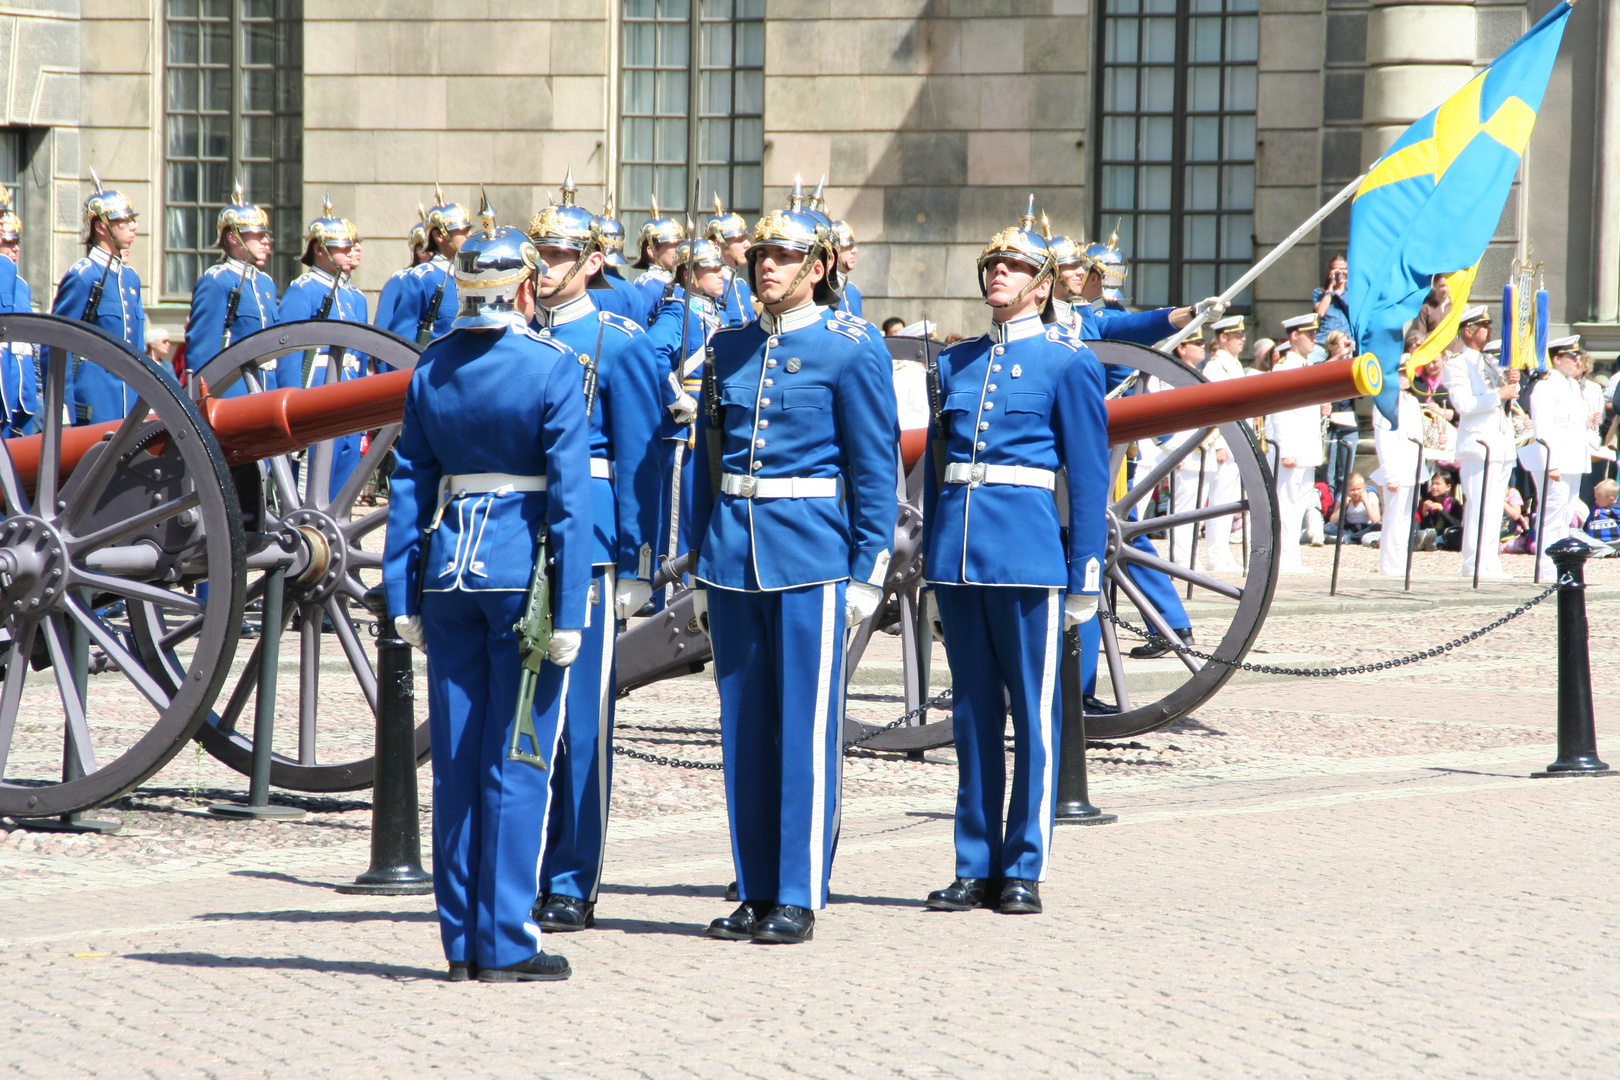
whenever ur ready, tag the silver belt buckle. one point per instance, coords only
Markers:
(976, 474)
(749, 485)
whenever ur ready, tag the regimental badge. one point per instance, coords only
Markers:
(793, 364)
(1018, 371)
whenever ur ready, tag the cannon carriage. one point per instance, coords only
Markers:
(131, 551)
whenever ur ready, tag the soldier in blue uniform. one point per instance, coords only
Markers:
(729, 232)
(626, 298)
(103, 289)
(494, 450)
(619, 380)
(323, 292)
(1014, 407)
(794, 502)
(427, 302)
(680, 334)
(397, 282)
(19, 379)
(655, 257)
(234, 298)
(849, 296)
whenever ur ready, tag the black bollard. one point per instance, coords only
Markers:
(1073, 802)
(396, 834)
(1577, 737)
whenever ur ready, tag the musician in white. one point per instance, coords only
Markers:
(1558, 411)
(1399, 447)
(1225, 486)
(1479, 393)
(1296, 438)
(1194, 475)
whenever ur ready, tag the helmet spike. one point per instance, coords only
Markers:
(818, 201)
(438, 193)
(326, 205)
(236, 191)
(486, 213)
(96, 179)
(421, 211)
(1113, 237)
(569, 188)
(607, 207)
(796, 196)
(1046, 227)
(1028, 220)
(718, 208)
(655, 212)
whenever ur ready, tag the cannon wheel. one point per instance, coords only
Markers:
(301, 759)
(148, 512)
(1252, 595)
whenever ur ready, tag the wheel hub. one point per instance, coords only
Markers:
(33, 566)
(328, 562)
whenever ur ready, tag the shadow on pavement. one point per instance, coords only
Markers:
(645, 926)
(676, 889)
(289, 963)
(319, 916)
(272, 875)
(880, 901)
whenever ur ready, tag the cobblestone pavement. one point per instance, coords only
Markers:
(1345, 878)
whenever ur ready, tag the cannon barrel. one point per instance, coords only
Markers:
(257, 426)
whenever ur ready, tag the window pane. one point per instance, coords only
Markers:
(260, 181)
(216, 182)
(1237, 237)
(750, 9)
(1123, 7)
(1118, 187)
(1203, 187)
(216, 9)
(1153, 236)
(717, 45)
(216, 89)
(216, 43)
(638, 140)
(1204, 45)
(670, 183)
(258, 9)
(749, 136)
(1243, 38)
(1159, 7)
(1239, 138)
(1206, 7)
(1159, 41)
(1198, 236)
(1119, 138)
(1158, 135)
(1204, 89)
(1152, 287)
(747, 189)
(258, 137)
(669, 143)
(1237, 187)
(258, 43)
(1119, 90)
(750, 93)
(182, 91)
(638, 44)
(181, 230)
(638, 9)
(714, 140)
(674, 9)
(259, 91)
(1240, 88)
(674, 39)
(1198, 280)
(716, 93)
(715, 9)
(1119, 43)
(183, 136)
(671, 95)
(1204, 138)
(638, 91)
(182, 183)
(1155, 188)
(637, 184)
(751, 44)
(1158, 90)
(182, 9)
(182, 43)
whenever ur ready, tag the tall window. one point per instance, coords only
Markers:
(686, 59)
(233, 79)
(1176, 112)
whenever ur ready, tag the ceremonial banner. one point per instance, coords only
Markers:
(1431, 203)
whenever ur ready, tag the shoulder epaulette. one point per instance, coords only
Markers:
(307, 275)
(1061, 336)
(81, 264)
(534, 335)
(628, 326)
(839, 327)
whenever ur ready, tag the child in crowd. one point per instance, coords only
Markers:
(1440, 516)
(1604, 522)
(1361, 512)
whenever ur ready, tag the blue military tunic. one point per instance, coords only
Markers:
(807, 503)
(19, 382)
(683, 361)
(625, 477)
(656, 287)
(255, 309)
(620, 297)
(302, 301)
(493, 448)
(388, 299)
(737, 301)
(1019, 405)
(415, 301)
(94, 395)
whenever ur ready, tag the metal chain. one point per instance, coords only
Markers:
(1358, 669)
(849, 744)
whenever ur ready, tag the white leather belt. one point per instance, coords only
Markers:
(977, 472)
(601, 468)
(779, 487)
(479, 483)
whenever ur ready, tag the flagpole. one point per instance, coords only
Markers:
(1264, 264)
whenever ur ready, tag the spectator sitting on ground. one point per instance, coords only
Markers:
(1440, 516)
(892, 324)
(1604, 522)
(1361, 512)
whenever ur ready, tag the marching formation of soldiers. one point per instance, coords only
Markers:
(567, 432)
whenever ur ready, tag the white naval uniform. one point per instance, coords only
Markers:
(1295, 434)
(1226, 485)
(1472, 381)
(1558, 410)
(1398, 459)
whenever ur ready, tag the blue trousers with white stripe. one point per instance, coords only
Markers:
(779, 665)
(1003, 644)
(582, 776)
(486, 846)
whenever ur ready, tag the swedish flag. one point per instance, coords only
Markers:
(1431, 203)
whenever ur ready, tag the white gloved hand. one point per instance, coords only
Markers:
(684, 408)
(860, 601)
(630, 595)
(1079, 609)
(700, 608)
(1211, 306)
(564, 646)
(410, 630)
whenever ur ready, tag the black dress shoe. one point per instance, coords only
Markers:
(740, 924)
(462, 970)
(786, 925)
(963, 894)
(544, 967)
(565, 913)
(1158, 646)
(731, 892)
(1096, 706)
(1020, 897)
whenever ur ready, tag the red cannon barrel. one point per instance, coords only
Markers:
(257, 426)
